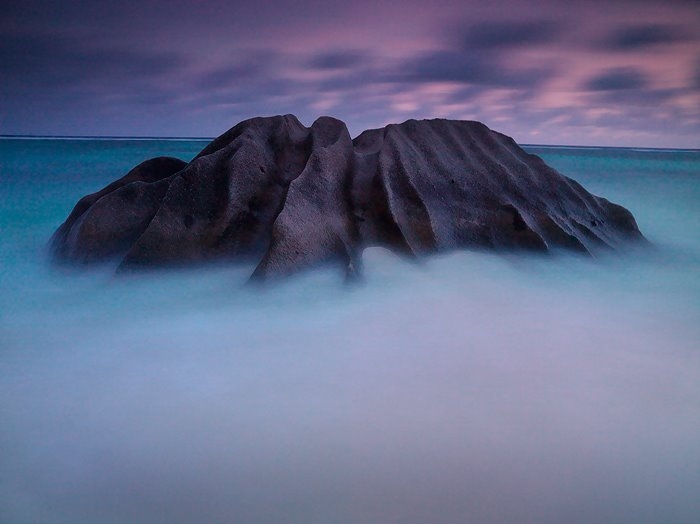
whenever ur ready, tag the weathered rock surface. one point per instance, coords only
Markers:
(290, 197)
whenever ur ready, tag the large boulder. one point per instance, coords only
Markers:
(290, 197)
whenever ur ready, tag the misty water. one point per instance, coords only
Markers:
(473, 387)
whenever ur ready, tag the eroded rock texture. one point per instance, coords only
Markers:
(290, 197)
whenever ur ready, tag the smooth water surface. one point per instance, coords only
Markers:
(472, 388)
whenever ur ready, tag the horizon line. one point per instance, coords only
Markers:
(198, 139)
(106, 137)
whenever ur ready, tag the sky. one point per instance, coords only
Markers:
(621, 73)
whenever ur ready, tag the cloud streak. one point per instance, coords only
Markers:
(617, 80)
(509, 35)
(632, 38)
(471, 68)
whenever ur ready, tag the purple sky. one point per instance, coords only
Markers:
(553, 72)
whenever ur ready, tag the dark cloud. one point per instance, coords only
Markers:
(506, 35)
(635, 37)
(62, 85)
(485, 69)
(617, 80)
(481, 57)
(341, 59)
(631, 98)
(465, 94)
(630, 88)
(246, 67)
(44, 61)
(353, 79)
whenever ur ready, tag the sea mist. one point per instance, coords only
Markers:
(471, 387)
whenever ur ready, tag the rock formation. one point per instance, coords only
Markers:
(288, 197)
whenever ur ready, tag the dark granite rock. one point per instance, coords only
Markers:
(290, 197)
(105, 224)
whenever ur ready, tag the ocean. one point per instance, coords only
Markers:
(471, 387)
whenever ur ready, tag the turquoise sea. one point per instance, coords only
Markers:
(473, 387)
